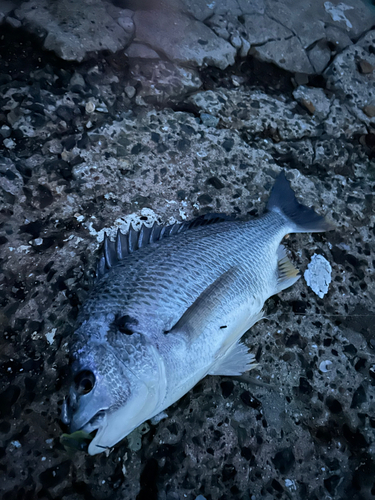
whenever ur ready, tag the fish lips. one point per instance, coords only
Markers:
(86, 412)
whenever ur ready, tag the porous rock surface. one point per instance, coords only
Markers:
(88, 147)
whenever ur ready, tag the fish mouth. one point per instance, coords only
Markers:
(79, 439)
(69, 417)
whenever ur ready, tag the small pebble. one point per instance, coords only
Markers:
(365, 67)
(369, 110)
(130, 91)
(5, 131)
(9, 143)
(90, 107)
(290, 484)
(77, 79)
(209, 120)
(50, 336)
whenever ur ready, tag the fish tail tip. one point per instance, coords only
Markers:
(302, 219)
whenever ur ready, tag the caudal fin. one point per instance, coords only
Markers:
(303, 219)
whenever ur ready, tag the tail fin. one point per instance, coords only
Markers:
(303, 219)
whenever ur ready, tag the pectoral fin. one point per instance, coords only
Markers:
(210, 302)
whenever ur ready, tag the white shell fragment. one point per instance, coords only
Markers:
(325, 366)
(318, 275)
(50, 336)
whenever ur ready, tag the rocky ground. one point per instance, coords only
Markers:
(123, 112)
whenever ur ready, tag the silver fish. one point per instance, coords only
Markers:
(170, 307)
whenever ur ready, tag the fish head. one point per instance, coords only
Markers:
(111, 394)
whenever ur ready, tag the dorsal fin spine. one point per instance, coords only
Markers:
(125, 244)
(132, 238)
(118, 245)
(107, 252)
(141, 237)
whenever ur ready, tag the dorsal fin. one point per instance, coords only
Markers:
(113, 252)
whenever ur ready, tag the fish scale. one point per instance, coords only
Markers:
(170, 307)
(131, 280)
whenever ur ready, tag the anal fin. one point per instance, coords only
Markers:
(287, 273)
(235, 362)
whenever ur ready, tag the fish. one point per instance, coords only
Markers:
(170, 306)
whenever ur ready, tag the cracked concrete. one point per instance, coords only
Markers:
(230, 27)
(177, 37)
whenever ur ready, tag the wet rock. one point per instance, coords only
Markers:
(294, 37)
(74, 29)
(203, 10)
(356, 86)
(349, 17)
(11, 188)
(319, 56)
(342, 121)
(338, 38)
(182, 39)
(124, 17)
(292, 57)
(141, 51)
(6, 8)
(259, 113)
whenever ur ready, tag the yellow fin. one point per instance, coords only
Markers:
(287, 274)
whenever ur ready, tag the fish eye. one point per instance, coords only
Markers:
(84, 382)
(126, 324)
